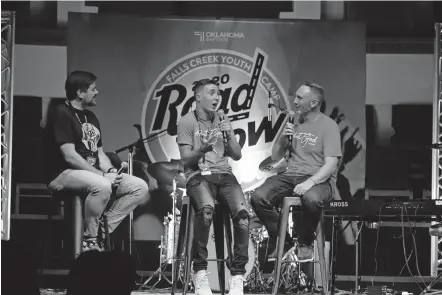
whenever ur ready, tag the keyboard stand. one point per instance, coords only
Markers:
(336, 231)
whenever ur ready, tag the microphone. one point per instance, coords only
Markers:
(289, 146)
(269, 108)
(221, 115)
(291, 121)
(435, 146)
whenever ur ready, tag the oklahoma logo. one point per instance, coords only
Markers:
(245, 85)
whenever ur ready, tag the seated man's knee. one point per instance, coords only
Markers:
(206, 212)
(313, 201)
(242, 218)
(143, 189)
(102, 188)
(258, 198)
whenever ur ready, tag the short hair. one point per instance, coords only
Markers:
(78, 80)
(317, 89)
(201, 83)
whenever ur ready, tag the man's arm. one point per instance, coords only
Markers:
(233, 147)
(324, 173)
(278, 149)
(332, 153)
(105, 163)
(188, 156)
(76, 161)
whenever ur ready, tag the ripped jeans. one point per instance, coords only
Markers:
(202, 191)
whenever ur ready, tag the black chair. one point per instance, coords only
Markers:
(296, 203)
(221, 220)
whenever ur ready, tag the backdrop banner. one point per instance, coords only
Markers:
(146, 69)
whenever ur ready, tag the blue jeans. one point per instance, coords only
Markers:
(131, 192)
(202, 191)
(269, 195)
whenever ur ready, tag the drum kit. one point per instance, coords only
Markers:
(171, 174)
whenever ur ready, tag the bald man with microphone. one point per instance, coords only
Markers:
(311, 144)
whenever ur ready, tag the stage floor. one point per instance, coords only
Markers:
(156, 292)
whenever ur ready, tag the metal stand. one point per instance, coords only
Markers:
(357, 249)
(7, 97)
(336, 230)
(131, 214)
(130, 148)
(436, 179)
(169, 244)
(428, 290)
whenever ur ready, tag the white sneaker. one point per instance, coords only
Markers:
(201, 282)
(236, 285)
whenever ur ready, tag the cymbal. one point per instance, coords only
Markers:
(165, 172)
(271, 166)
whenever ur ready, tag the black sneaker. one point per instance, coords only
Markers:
(90, 244)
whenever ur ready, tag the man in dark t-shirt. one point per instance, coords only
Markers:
(311, 170)
(78, 164)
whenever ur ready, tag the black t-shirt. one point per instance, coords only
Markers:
(66, 124)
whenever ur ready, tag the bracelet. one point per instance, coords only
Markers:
(104, 175)
(313, 180)
(109, 170)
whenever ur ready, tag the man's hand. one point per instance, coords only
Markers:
(302, 188)
(114, 178)
(289, 129)
(207, 142)
(125, 165)
(225, 125)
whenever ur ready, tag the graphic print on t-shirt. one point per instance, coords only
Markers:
(91, 136)
(216, 134)
(306, 138)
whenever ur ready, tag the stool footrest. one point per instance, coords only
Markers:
(310, 261)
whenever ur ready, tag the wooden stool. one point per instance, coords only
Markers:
(296, 202)
(221, 218)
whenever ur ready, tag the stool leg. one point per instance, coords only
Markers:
(229, 237)
(106, 233)
(78, 225)
(282, 224)
(219, 246)
(320, 238)
(189, 242)
(179, 248)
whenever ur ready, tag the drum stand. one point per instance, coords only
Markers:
(255, 282)
(165, 261)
